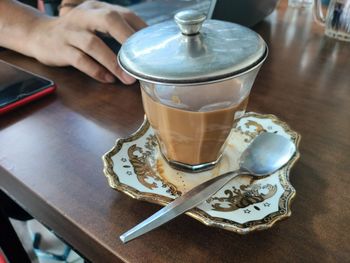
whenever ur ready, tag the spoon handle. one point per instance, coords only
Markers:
(180, 205)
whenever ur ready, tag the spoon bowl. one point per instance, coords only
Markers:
(266, 154)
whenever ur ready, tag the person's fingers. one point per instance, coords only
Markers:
(115, 25)
(103, 20)
(133, 20)
(91, 54)
(90, 67)
(127, 79)
(130, 17)
(98, 50)
(95, 48)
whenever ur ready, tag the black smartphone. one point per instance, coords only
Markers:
(19, 87)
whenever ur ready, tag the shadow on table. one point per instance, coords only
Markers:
(25, 111)
(113, 106)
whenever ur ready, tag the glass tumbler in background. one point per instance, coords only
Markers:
(337, 20)
(300, 3)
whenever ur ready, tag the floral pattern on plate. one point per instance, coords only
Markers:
(135, 167)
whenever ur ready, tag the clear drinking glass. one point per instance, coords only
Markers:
(193, 122)
(337, 21)
(300, 3)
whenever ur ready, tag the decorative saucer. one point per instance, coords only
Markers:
(135, 167)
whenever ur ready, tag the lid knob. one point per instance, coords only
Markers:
(189, 21)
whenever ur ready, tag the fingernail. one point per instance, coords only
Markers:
(109, 78)
(127, 79)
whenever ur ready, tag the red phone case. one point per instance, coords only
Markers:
(28, 99)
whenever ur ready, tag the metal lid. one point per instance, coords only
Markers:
(196, 53)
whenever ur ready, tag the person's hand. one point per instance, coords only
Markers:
(71, 39)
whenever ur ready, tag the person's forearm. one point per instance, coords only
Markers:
(17, 22)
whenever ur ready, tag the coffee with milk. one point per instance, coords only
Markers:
(193, 129)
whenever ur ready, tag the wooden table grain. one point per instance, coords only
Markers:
(50, 158)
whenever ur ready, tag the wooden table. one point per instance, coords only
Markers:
(50, 158)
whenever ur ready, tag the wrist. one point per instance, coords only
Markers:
(36, 35)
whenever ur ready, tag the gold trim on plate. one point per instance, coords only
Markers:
(285, 200)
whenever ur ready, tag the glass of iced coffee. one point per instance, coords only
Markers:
(195, 81)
